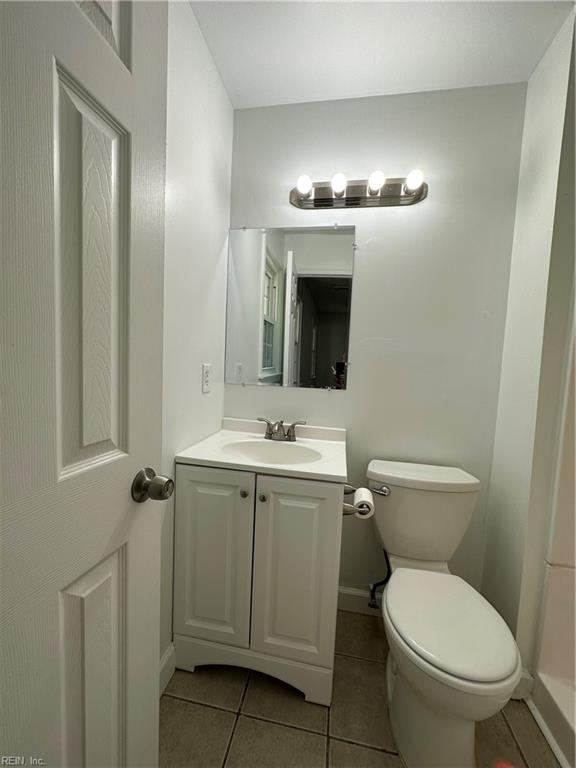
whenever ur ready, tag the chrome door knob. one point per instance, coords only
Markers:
(148, 485)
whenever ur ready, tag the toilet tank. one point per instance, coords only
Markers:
(427, 511)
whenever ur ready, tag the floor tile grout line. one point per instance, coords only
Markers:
(219, 707)
(366, 746)
(233, 731)
(516, 740)
(262, 719)
(359, 658)
(244, 692)
(229, 744)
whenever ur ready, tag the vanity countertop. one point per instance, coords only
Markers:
(319, 453)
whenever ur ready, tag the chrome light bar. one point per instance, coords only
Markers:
(358, 195)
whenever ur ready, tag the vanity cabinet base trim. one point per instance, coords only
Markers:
(314, 682)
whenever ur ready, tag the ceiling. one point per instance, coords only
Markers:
(285, 52)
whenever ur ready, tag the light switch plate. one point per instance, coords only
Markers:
(206, 378)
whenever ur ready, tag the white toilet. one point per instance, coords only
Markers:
(452, 658)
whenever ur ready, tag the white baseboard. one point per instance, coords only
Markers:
(167, 667)
(554, 746)
(356, 600)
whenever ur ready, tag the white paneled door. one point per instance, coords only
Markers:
(82, 175)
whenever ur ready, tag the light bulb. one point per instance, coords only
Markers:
(376, 181)
(339, 183)
(414, 181)
(304, 185)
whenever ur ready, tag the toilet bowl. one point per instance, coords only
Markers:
(452, 661)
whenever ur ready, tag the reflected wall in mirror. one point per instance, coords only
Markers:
(288, 306)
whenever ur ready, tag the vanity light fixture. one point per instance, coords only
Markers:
(339, 182)
(374, 192)
(376, 181)
(414, 181)
(304, 186)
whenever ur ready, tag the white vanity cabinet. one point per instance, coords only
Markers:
(256, 574)
(296, 562)
(213, 535)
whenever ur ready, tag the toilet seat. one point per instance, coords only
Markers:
(449, 630)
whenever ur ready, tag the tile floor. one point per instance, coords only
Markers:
(225, 716)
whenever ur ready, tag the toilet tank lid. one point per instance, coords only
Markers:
(424, 476)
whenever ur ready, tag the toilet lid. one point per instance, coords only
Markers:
(450, 625)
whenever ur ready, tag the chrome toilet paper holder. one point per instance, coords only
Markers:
(382, 490)
(350, 509)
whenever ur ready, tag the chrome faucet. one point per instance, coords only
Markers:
(276, 430)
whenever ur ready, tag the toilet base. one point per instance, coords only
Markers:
(427, 738)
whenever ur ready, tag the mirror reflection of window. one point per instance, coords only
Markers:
(269, 315)
(288, 309)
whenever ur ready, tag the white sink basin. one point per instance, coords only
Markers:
(270, 452)
(319, 453)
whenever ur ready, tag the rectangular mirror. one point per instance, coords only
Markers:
(288, 306)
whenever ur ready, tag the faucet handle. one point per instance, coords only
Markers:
(269, 427)
(291, 433)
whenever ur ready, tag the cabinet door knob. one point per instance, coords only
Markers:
(263, 497)
(243, 494)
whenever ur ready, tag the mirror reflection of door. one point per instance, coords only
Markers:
(296, 339)
(288, 307)
(325, 303)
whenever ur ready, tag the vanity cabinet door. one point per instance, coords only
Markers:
(296, 564)
(214, 527)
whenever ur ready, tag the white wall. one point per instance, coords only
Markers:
(430, 281)
(243, 306)
(198, 168)
(527, 410)
(329, 254)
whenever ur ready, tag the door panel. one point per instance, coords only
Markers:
(296, 565)
(91, 614)
(112, 19)
(82, 148)
(213, 554)
(92, 227)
